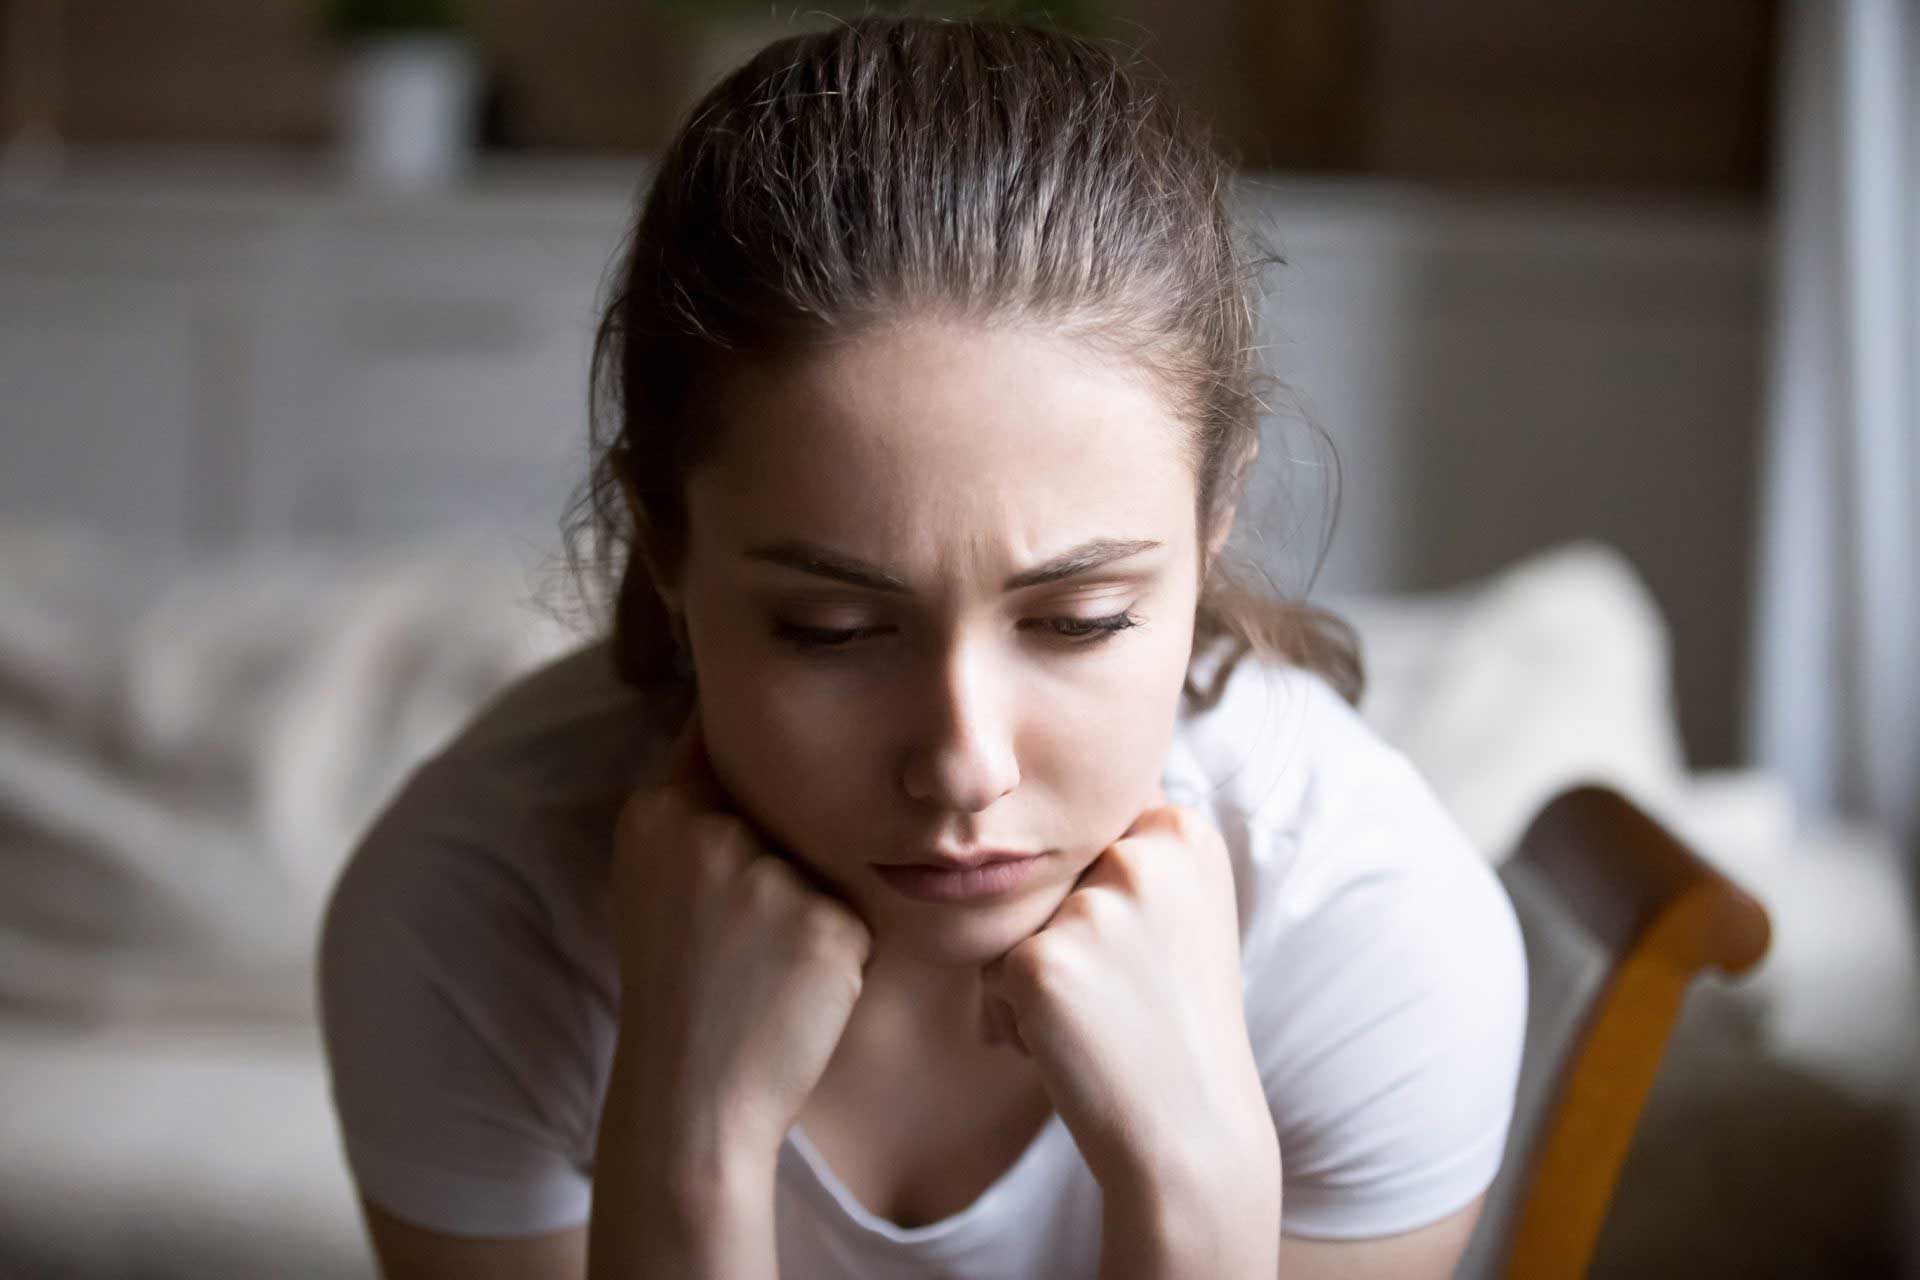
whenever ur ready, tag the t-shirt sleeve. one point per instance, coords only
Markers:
(455, 1040)
(1389, 1024)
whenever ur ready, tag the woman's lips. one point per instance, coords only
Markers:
(958, 884)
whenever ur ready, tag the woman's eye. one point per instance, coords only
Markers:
(1089, 630)
(1074, 631)
(806, 639)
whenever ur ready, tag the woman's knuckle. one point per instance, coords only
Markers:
(1032, 964)
(731, 839)
(765, 880)
(827, 927)
(639, 817)
(816, 919)
(1130, 868)
(1105, 905)
(714, 830)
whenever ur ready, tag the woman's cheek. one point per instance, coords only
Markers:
(804, 749)
(1103, 762)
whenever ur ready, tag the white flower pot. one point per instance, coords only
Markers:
(408, 110)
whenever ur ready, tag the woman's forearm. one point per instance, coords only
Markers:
(1223, 1221)
(671, 1201)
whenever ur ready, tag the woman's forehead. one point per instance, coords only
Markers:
(1015, 442)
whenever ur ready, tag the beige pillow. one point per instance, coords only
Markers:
(188, 751)
(1505, 691)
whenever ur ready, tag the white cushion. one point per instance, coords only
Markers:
(187, 751)
(1507, 690)
(172, 1151)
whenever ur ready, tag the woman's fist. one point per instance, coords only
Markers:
(1129, 1001)
(738, 971)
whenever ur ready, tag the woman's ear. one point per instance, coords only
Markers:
(662, 569)
(1218, 535)
(665, 578)
(635, 513)
(1235, 473)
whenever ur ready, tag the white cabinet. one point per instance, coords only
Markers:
(98, 404)
(418, 374)
(237, 361)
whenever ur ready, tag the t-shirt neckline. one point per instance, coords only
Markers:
(957, 1228)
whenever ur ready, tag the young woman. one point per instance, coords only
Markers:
(937, 869)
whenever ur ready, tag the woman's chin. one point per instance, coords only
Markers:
(963, 933)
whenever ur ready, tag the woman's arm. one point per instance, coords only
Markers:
(407, 1252)
(1221, 1221)
(673, 1204)
(1425, 1253)
(1129, 1001)
(737, 980)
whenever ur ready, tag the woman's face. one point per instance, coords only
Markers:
(939, 587)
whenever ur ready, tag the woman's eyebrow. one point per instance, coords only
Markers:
(824, 562)
(1088, 556)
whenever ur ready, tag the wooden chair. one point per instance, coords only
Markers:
(1618, 917)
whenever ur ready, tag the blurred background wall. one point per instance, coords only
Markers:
(1494, 380)
(1635, 95)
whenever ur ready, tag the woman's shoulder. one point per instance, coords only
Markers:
(515, 813)
(1383, 966)
(1313, 801)
(1274, 744)
(465, 982)
(572, 710)
(564, 734)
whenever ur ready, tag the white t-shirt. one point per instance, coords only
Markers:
(469, 988)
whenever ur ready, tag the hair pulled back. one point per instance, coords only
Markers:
(975, 169)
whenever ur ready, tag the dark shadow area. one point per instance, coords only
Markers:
(1657, 461)
(1747, 1167)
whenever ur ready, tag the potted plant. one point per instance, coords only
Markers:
(409, 89)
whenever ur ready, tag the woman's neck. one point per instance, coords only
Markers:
(908, 1003)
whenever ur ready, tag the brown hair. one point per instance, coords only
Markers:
(974, 168)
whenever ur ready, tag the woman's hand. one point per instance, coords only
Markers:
(738, 973)
(1129, 1001)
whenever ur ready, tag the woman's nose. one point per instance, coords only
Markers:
(964, 759)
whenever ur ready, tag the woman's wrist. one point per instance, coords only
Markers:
(716, 1226)
(648, 1221)
(692, 1139)
(1225, 1226)
(1205, 1209)
(1221, 1136)
(673, 1194)
(720, 1185)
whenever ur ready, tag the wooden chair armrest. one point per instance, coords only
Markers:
(1662, 914)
